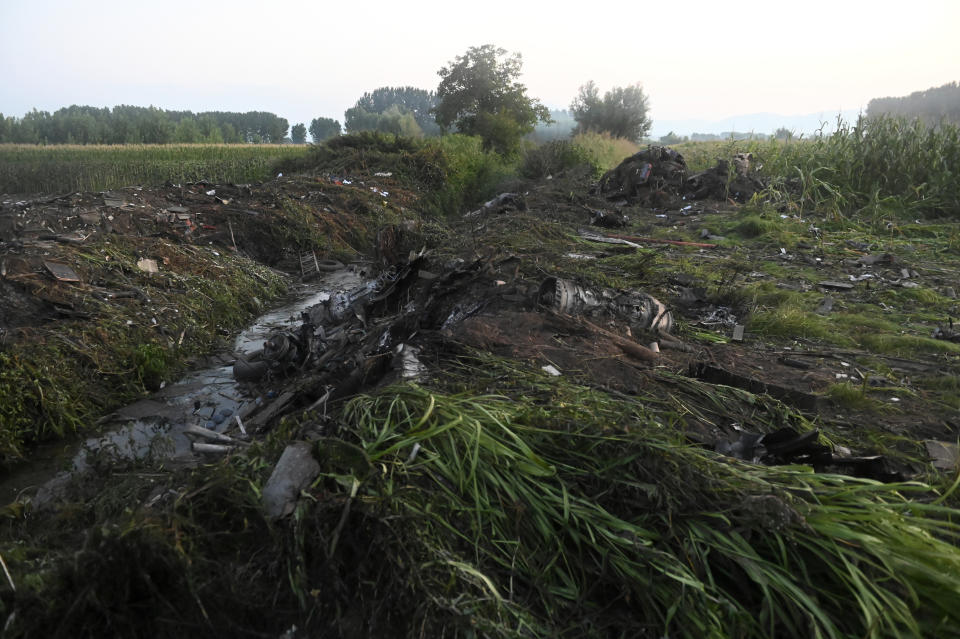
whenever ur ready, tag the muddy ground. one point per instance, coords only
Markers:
(829, 321)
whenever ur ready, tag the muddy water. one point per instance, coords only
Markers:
(153, 428)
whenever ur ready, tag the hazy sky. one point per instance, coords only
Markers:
(303, 59)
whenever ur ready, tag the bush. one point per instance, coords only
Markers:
(553, 157)
(414, 163)
(605, 151)
(473, 175)
(452, 171)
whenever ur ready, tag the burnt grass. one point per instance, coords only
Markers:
(788, 319)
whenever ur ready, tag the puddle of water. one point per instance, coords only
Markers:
(154, 427)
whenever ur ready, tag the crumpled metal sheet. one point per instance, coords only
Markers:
(643, 311)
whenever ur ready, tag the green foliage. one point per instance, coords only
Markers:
(473, 174)
(186, 132)
(671, 138)
(141, 125)
(452, 172)
(877, 168)
(406, 100)
(37, 391)
(553, 157)
(560, 127)
(792, 320)
(602, 519)
(479, 94)
(755, 226)
(783, 134)
(298, 133)
(322, 129)
(52, 169)
(59, 381)
(413, 162)
(605, 152)
(852, 397)
(392, 120)
(622, 112)
(152, 364)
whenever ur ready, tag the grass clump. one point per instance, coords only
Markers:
(152, 364)
(604, 523)
(553, 157)
(906, 345)
(755, 226)
(605, 151)
(789, 319)
(852, 397)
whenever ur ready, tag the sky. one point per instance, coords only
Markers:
(303, 59)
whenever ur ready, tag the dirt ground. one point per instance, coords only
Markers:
(764, 335)
(708, 287)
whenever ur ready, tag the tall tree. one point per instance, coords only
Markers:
(323, 128)
(622, 112)
(357, 118)
(126, 124)
(186, 131)
(298, 134)
(417, 102)
(479, 94)
(393, 120)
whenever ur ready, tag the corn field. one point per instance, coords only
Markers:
(28, 168)
(873, 168)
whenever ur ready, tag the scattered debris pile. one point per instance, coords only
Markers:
(642, 311)
(657, 177)
(596, 402)
(503, 203)
(382, 331)
(788, 446)
(720, 182)
(653, 178)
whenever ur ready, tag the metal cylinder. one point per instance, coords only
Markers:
(643, 311)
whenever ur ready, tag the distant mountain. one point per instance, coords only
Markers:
(754, 122)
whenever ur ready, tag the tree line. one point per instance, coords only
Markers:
(141, 125)
(479, 94)
(933, 106)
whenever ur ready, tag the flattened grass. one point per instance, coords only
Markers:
(604, 521)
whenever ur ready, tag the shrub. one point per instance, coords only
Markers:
(605, 151)
(553, 157)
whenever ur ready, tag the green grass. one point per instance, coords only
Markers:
(907, 345)
(605, 152)
(57, 378)
(872, 169)
(851, 396)
(792, 321)
(55, 169)
(547, 518)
